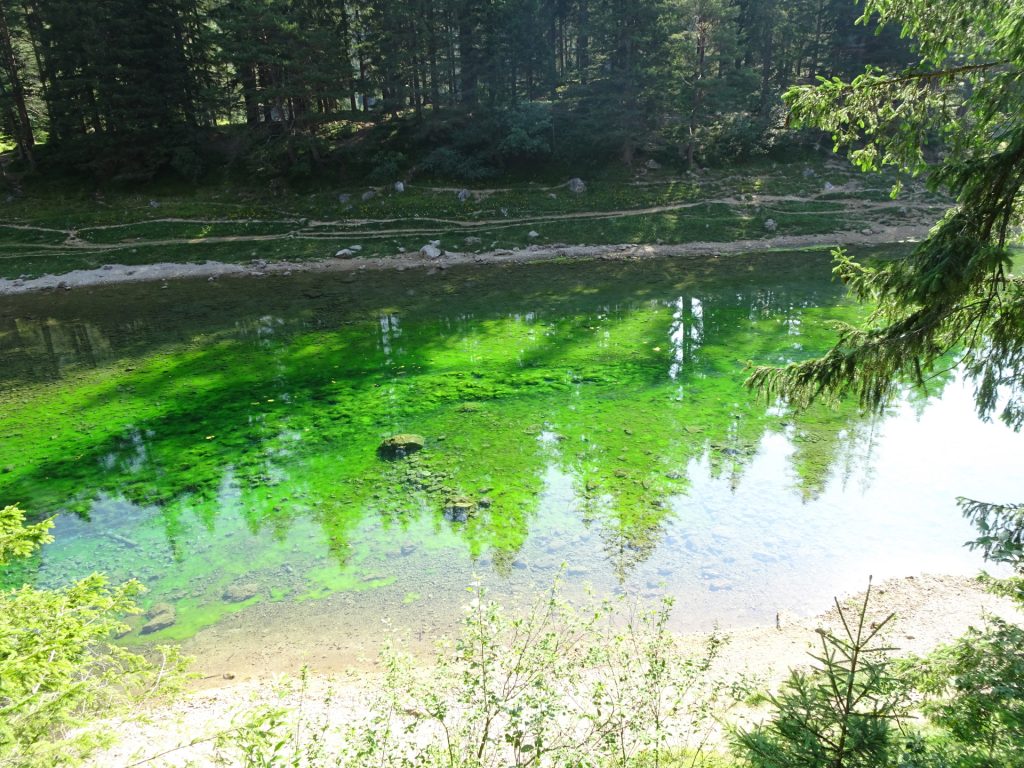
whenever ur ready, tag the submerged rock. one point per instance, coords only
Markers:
(159, 608)
(124, 541)
(400, 446)
(239, 592)
(161, 616)
(459, 510)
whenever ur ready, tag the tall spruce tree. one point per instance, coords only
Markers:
(956, 117)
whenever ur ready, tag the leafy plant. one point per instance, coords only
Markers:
(555, 686)
(58, 670)
(974, 692)
(18, 539)
(973, 688)
(1002, 531)
(958, 294)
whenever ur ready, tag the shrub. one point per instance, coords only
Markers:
(974, 692)
(58, 669)
(526, 134)
(602, 686)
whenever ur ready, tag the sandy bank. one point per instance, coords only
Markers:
(930, 610)
(163, 271)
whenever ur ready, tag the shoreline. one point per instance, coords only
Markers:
(117, 274)
(930, 610)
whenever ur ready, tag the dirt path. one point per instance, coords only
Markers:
(301, 228)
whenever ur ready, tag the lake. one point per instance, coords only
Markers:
(219, 442)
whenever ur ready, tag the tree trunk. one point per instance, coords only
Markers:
(247, 77)
(345, 31)
(432, 68)
(698, 91)
(23, 133)
(468, 65)
(583, 42)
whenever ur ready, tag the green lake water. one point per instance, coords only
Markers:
(218, 441)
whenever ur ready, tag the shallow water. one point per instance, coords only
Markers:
(218, 441)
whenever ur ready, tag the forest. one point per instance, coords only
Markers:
(125, 90)
(488, 383)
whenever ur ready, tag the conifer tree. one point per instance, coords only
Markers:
(958, 294)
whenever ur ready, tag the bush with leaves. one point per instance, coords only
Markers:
(957, 118)
(974, 691)
(973, 688)
(556, 686)
(58, 669)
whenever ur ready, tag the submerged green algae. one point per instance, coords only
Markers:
(209, 434)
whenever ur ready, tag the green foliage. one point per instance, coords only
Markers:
(957, 294)
(387, 167)
(973, 688)
(974, 693)
(17, 539)
(842, 713)
(58, 669)
(526, 134)
(124, 90)
(956, 116)
(1002, 531)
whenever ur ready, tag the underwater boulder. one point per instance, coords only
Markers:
(239, 592)
(458, 510)
(400, 446)
(161, 616)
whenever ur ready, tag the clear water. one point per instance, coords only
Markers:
(219, 441)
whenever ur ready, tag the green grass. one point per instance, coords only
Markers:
(77, 229)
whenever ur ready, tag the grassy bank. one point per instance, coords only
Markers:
(53, 229)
